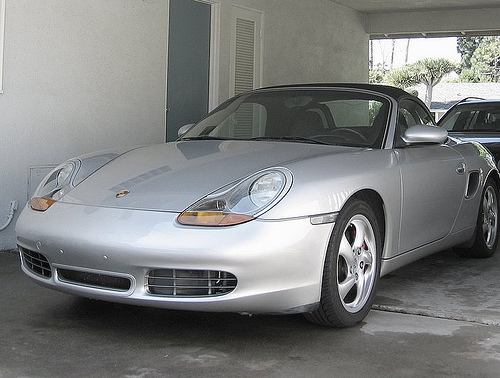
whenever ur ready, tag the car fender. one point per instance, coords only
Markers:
(327, 187)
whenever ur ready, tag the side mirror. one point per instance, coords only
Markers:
(184, 129)
(422, 134)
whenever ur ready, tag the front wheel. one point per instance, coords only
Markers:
(352, 268)
(486, 236)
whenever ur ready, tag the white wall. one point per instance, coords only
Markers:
(79, 75)
(86, 75)
(323, 42)
(303, 42)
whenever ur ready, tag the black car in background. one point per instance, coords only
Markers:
(477, 120)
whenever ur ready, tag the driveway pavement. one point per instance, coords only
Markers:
(439, 317)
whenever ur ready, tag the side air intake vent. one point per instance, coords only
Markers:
(473, 184)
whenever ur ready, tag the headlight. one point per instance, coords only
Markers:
(55, 185)
(266, 188)
(238, 202)
(68, 175)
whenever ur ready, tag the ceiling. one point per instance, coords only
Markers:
(384, 6)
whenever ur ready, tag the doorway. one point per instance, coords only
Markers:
(188, 68)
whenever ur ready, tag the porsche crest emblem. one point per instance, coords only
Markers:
(122, 193)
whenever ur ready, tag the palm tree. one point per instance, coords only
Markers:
(428, 71)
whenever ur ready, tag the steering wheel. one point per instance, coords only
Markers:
(347, 134)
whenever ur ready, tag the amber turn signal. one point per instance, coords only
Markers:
(212, 218)
(41, 203)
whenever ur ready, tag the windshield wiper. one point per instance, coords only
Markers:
(297, 139)
(203, 137)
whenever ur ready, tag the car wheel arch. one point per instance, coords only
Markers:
(376, 202)
(365, 206)
(479, 245)
(373, 199)
(494, 175)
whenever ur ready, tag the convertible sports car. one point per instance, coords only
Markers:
(291, 199)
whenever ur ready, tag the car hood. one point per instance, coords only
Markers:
(172, 176)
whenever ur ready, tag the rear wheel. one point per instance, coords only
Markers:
(486, 238)
(352, 268)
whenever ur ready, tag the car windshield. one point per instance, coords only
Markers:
(336, 117)
(473, 117)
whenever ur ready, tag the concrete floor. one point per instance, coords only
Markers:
(439, 317)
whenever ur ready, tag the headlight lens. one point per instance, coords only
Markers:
(57, 183)
(238, 202)
(266, 188)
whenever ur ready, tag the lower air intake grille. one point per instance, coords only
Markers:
(101, 281)
(36, 263)
(190, 283)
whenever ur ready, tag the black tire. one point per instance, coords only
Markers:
(486, 235)
(352, 267)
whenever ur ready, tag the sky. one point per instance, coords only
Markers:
(420, 48)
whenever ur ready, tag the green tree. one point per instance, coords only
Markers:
(426, 71)
(403, 77)
(466, 46)
(430, 72)
(485, 62)
(377, 76)
(468, 75)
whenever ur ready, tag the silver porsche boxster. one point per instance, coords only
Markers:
(290, 199)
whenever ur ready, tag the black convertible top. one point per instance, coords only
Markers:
(385, 89)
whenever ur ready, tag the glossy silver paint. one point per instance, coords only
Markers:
(429, 203)
(425, 134)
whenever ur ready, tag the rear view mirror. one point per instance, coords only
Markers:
(424, 134)
(184, 129)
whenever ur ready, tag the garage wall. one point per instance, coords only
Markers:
(320, 43)
(303, 42)
(78, 76)
(87, 75)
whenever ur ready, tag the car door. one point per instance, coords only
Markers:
(433, 181)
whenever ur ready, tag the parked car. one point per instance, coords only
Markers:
(475, 119)
(291, 199)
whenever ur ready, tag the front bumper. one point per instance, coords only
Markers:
(277, 265)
